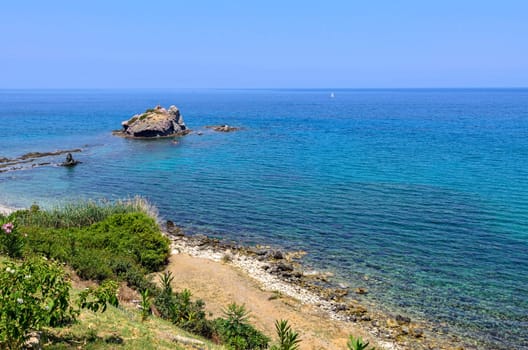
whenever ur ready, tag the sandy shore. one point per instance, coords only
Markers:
(219, 284)
(220, 275)
(243, 280)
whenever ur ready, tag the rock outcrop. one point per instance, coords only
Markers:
(70, 161)
(156, 122)
(223, 128)
(37, 159)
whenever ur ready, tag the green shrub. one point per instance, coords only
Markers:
(11, 241)
(98, 298)
(145, 305)
(135, 234)
(35, 294)
(236, 332)
(288, 339)
(52, 243)
(123, 246)
(180, 309)
(92, 264)
(126, 269)
(357, 344)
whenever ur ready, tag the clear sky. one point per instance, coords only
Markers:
(263, 44)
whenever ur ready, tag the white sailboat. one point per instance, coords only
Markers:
(332, 95)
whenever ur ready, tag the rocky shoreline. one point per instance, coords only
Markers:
(283, 273)
(36, 159)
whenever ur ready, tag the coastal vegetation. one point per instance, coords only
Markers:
(107, 248)
(358, 344)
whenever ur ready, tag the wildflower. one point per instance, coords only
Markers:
(8, 228)
(20, 300)
(10, 270)
(27, 277)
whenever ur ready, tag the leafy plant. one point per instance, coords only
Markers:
(288, 339)
(180, 309)
(166, 282)
(145, 305)
(358, 344)
(235, 331)
(12, 242)
(122, 246)
(98, 298)
(35, 294)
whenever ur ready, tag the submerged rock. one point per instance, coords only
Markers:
(156, 122)
(223, 128)
(361, 290)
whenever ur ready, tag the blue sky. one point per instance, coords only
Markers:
(263, 44)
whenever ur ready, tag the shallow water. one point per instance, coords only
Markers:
(423, 191)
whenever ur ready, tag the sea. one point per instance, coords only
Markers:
(418, 195)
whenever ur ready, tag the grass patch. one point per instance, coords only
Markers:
(83, 213)
(118, 328)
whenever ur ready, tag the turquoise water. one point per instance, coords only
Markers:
(424, 191)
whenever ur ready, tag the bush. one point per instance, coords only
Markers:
(32, 295)
(235, 331)
(35, 294)
(11, 241)
(123, 246)
(357, 344)
(98, 298)
(288, 339)
(131, 233)
(92, 264)
(180, 309)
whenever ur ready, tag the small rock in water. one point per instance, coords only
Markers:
(223, 128)
(361, 291)
(70, 161)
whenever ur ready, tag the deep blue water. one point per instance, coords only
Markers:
(423, 191)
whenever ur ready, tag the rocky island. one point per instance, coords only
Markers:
(154, 123)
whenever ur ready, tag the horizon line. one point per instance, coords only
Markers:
(271, 88)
